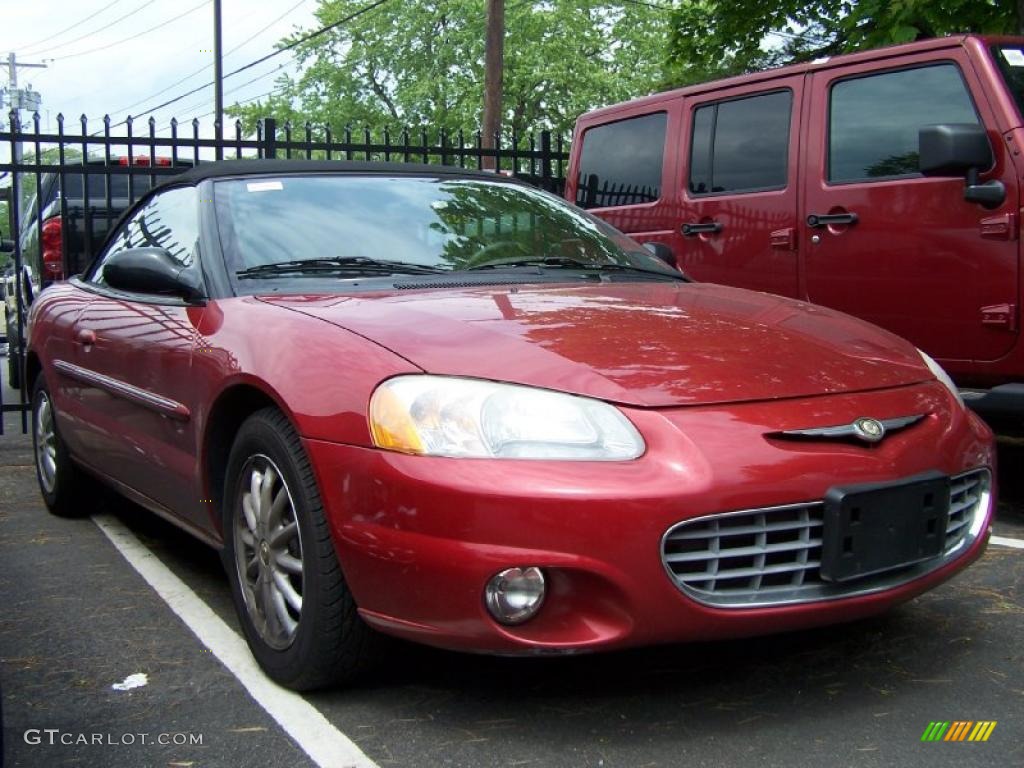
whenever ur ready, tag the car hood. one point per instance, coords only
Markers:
(642, 343)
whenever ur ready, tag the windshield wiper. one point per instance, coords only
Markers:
(567, 262)
(347, 265)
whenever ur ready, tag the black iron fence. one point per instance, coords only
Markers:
(67, 187)
(592, 192)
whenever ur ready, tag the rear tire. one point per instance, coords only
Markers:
(296, 610)
(66, 489)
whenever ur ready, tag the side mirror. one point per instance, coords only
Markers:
(662, 252)
(6, 246)
(151, 270)
(960, 149)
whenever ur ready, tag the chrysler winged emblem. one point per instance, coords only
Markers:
(865, 428)
(869, 430)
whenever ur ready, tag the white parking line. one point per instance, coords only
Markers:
(1003, 541)
(316, 736)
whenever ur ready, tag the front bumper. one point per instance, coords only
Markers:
(419, 537)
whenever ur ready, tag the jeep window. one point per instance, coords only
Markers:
(168, 220)
(874, 120)
(1010, 60)
(741, 145)
(621, 162)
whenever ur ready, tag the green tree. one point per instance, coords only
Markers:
(712, 38)
(421, 64)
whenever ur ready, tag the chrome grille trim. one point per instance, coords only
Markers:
(770, 556)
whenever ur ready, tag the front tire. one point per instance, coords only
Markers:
(65, 488)
(295, 608)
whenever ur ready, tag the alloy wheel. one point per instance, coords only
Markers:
(268, 552)
(46, 443)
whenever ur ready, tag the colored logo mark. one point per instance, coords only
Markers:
(958, 730)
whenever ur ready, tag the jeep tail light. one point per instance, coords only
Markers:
(53, 249)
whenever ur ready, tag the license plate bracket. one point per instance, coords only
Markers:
(877, 527)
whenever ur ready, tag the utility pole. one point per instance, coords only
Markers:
(19, 99)
(494, 58)
(218, 81)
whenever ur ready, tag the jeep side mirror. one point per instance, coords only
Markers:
(960, 149)
(662, 252)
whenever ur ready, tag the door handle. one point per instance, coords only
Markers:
(711, 227)
(85, 336)
(816, 220)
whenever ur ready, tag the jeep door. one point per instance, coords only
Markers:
(883, 242)
(738, 219)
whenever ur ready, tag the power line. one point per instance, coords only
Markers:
(236, 89)
(251, 64)
(94, 31)
(236, 104)
(207, 66)
(68, 28)
(136, 35)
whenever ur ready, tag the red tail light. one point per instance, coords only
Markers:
(144, 160)
(53, 249)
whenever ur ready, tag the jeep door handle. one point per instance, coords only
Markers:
(711, 227)
(85, 336)
(816, 220)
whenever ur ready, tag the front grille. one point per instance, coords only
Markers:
(773, 555)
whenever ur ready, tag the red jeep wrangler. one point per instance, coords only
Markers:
(885, 183)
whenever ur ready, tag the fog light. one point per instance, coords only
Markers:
(515, 595)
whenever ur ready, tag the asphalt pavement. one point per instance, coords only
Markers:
(78, 619)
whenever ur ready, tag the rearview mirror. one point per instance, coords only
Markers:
(151, 270)
(960, 149)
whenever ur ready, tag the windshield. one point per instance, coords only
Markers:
(1010, 60)
(424, 225)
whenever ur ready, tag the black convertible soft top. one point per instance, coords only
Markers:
(227, 168)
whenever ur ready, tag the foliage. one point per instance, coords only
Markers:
(712, 38)
(422, 64)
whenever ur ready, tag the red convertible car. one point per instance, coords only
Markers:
(446, 406)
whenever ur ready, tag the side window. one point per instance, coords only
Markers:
(621, 162)
(874, 120)
(168, 220)
(741, 145)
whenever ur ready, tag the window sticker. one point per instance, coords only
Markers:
(264, 186)
(1014, 57)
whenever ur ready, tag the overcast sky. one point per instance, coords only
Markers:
(127, 76)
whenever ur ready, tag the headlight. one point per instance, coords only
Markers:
(942, 376)
(447, 416)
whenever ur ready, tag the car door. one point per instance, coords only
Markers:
(135, 353)
(901, 250)
(738, 219)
